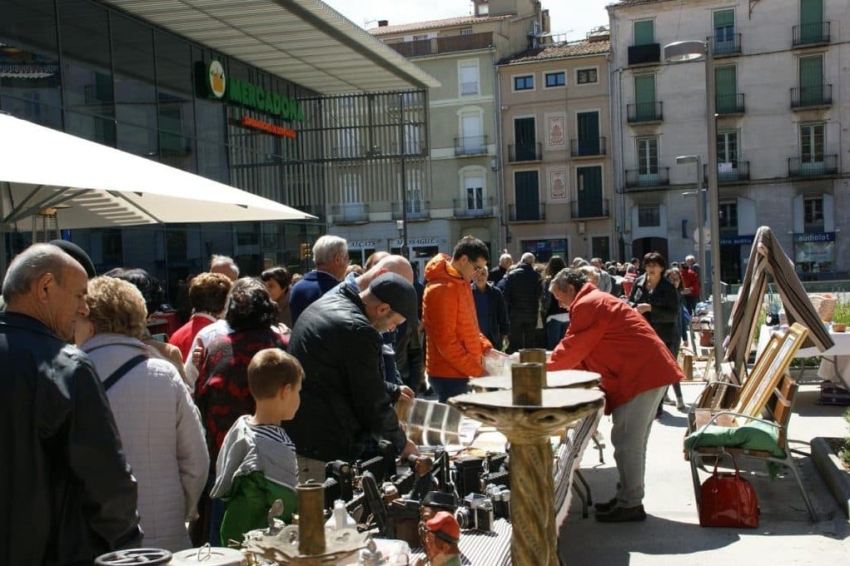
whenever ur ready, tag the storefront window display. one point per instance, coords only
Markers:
(543, 250)
(814, 253)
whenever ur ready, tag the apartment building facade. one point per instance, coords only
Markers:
(556, 130)
(460, 193)
(782, 111)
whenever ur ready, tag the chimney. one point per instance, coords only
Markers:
(383, 23)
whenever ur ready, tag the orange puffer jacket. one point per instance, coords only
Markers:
(455, 345)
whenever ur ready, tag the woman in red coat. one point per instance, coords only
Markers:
(611, 338)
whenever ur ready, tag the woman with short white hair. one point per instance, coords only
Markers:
(159, 425)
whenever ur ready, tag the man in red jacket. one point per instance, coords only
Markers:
(611, 338)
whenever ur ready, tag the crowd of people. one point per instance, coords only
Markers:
(114, 437)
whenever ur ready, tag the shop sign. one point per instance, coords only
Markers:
(814, 237)
(250, 95)
(397, 243)
(736, 240)
(274, 129)
(361, 244)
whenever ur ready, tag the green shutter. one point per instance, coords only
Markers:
(644, 32)
(725, 89)
(811, 80)
(724, 18)
(645, 97)
(811, 12)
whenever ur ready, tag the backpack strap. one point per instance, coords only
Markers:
(122, 371)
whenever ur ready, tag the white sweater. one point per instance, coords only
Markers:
(161, 432)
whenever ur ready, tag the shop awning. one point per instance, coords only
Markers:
(304, 41)
(88, 185)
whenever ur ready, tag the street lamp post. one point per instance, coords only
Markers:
(404, 251)
(700, 215)
(690, 51)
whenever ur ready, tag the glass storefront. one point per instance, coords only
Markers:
(543, 250)
(94, 72)
(814, 254)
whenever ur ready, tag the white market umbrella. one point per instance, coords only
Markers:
(95, 186)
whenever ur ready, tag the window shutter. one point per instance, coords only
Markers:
(644, 32)
(724, 18)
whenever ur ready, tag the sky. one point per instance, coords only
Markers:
(566, 18)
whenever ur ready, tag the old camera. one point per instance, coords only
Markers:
(476, 513)
(501, 498)
(339, 482)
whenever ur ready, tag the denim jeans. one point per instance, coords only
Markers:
(629, 435)
(555, 330)
(446, 387)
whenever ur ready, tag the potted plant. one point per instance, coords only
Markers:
(841, 314)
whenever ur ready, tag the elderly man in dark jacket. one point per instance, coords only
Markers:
(522, 288)
(66, 490)
(344, 397)
(490, 309)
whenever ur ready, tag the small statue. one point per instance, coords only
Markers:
(440, 536)
(425, 480)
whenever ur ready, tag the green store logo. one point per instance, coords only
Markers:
(238, 91)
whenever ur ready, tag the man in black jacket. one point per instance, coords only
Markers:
(344, 396)
(522, 288)
(66, 489)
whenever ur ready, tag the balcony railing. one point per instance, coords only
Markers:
(726, 47)
(470, 145)
(644, 54)
(645, 112)
(635, 179)
(809, 96)
(810, 34)
(589, 147)
(350, 151)
(526, 213)
(464, 208)
(350, 213)
(729, 103)
(525, 152)
(417, 209)
(813, 166)
(447, 44)
(589, 208)
(730, 172)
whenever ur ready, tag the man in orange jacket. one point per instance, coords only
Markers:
(455, 347)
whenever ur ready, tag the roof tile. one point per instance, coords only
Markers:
(560, 51)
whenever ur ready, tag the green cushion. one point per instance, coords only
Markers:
(750, 436)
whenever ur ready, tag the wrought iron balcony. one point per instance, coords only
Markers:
(350, 213)
(811, 96)
(470, 145)
(637, 180)
(588, 147)
(813, 166)
(525, 213)
(730, 172)
(413, 48)
(645, 112)
(417, 209)
(467, 208)
(525, 152)
(589, 208)
(726, 47)
(726, 104)
(644, 54)
(805, 35)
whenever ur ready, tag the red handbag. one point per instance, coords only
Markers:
(728, 500)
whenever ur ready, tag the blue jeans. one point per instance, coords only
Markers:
(555, 330)
(446, 387)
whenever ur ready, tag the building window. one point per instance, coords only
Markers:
(469, 78)
(811, 143)
(466, 31)
(556, 79)
(600, 246)
(543, 250)
(474, 193)
(813, 214)
(525, 82)
(649, 216)
(647, 155)
(727, 148)
(587, 76)
(724, 27)
(644, 32)
(729, 217)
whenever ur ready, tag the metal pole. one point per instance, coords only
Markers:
(404, 250)
(714, 210)
(700, 234)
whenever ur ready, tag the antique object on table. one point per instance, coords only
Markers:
(440, 536)
(554, 380)
(308, 543)
(528, 428)
(147, 556)
(532, 356)
(425, 480)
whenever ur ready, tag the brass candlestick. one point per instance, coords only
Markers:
(527, 416)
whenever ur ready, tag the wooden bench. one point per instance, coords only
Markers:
(706, 446)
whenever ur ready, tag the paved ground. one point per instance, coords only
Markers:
(672, 535)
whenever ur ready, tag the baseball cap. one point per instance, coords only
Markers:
(77, 253)
(444, 526)
(400, 295)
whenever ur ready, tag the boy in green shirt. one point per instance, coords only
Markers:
(257, 463)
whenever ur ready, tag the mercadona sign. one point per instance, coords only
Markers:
(218, 86)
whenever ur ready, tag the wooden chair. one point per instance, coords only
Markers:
(778, 411)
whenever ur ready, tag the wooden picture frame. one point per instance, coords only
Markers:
(757, 374)
(791, 343)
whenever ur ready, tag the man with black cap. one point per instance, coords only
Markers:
(343, 396)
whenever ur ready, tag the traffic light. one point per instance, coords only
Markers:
(305, 251)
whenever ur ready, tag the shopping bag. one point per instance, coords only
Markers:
(728, 500)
